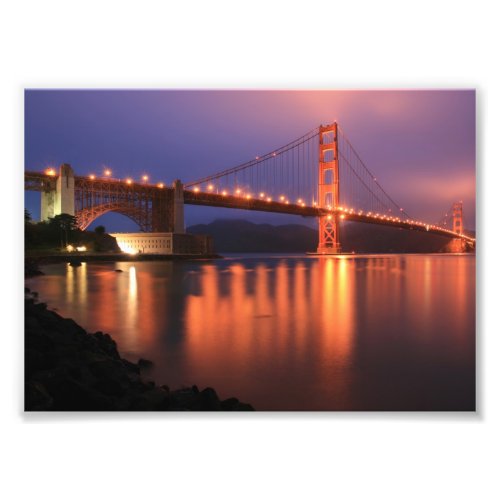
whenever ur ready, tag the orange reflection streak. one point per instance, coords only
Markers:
(282, 304)
(145, 300)
(337, 285)
(464, 291)
(299, 310)
(426, 290)
(344, 317)
(70, 283)
(132, 300)
(420, 292)
(204, 311)
(263, 334)
(215, 322)
(82, 284)
(115, 309)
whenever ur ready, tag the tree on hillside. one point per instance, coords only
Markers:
(66, 224)
(100, 230)
(29, 230)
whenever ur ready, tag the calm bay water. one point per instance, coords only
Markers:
(289, 332)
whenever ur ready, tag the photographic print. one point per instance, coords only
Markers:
(250, 250)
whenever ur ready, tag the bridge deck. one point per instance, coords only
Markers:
(39, 181)
(242, 203)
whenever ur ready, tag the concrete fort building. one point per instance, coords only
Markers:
(164, 243)
(157, 209)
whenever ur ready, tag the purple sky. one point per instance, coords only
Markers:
(419, 144)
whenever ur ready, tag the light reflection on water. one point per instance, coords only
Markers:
(292, 332)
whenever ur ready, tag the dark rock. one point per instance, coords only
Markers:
(31, 268)
(208, 399)
(229, 404)
(71, 395)
(144, 363)
(110, 387)
(35, 361)
(108, 368)
(132, 367)
(153, 399)
(36, 397)
(233, 404)
(244, 407)
(182, 399)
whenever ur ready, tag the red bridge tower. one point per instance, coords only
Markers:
(328, 188)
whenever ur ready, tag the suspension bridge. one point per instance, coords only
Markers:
(317, 175)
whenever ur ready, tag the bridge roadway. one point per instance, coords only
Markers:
(262, 205)
(38, 181)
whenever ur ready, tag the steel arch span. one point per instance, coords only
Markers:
(148, 206)
(86, 216)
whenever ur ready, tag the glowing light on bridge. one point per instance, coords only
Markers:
(247, 196)
(50, 171)
(196, 189)
(128, 181)
(210, 187)
(160, 185)
(91, 177)
(224, 193)
(107, 172)
(145, 178)
(262, 195)
(282, 198)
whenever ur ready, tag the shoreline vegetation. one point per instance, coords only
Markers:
(70, 369)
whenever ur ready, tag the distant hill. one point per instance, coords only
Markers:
(232, 235)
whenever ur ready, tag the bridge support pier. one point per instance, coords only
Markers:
(457, 245)
(62, 199)
(328, 235)
(178, 207)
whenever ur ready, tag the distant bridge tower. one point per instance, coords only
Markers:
(458, 223)
(457, 245)
(60, 200)
(328, 188)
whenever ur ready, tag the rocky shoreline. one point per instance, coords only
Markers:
(69, 369)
